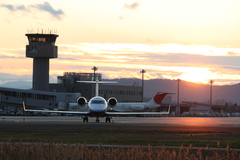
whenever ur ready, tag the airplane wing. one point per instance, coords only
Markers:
(106, 113)
(137, 113)
(53, 111)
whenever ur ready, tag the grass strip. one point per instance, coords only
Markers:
(126, 137)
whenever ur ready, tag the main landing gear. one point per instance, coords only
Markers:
(108, 119)
(85, 119)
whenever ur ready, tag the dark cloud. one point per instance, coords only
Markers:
(21, 7)
(12, 57)
(62, 58)
(230, 53)
(48, 8)
(14, 8)
(227, 62)
(132, 6)
(8, 6)
(45, 7)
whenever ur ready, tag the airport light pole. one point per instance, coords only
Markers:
(178, 107)
(94, 72)
(142, 71)
(178, 80)
(211, 82)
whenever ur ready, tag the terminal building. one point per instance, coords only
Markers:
(69, 83)
(11, 100)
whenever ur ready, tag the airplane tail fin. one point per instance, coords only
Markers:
(97, 84)
(159, 97)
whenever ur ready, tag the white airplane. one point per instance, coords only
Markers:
(97, 107)
(143, 106)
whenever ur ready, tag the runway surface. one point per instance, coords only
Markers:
(147, 130)
(196, 124)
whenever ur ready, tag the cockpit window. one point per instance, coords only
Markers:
(97, 102)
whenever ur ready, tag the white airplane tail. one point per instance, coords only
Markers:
(157, 99)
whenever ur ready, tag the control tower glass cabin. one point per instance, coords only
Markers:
(41, 48)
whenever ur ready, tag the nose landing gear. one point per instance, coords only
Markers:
(97, 120)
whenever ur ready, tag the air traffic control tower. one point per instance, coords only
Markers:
(41, 48)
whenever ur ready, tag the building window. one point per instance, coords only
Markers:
(29, 95)
(39, 96)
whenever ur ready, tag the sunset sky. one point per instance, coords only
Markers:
(193, 40)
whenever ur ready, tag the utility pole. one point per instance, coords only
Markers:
(211, 82)
(178, 107)
(142, 71)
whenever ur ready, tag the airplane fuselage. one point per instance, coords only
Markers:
(97, 106)
(130, 107)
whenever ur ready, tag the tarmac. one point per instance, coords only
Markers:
(196, 124)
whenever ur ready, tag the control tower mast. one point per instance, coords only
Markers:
(41, 48)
